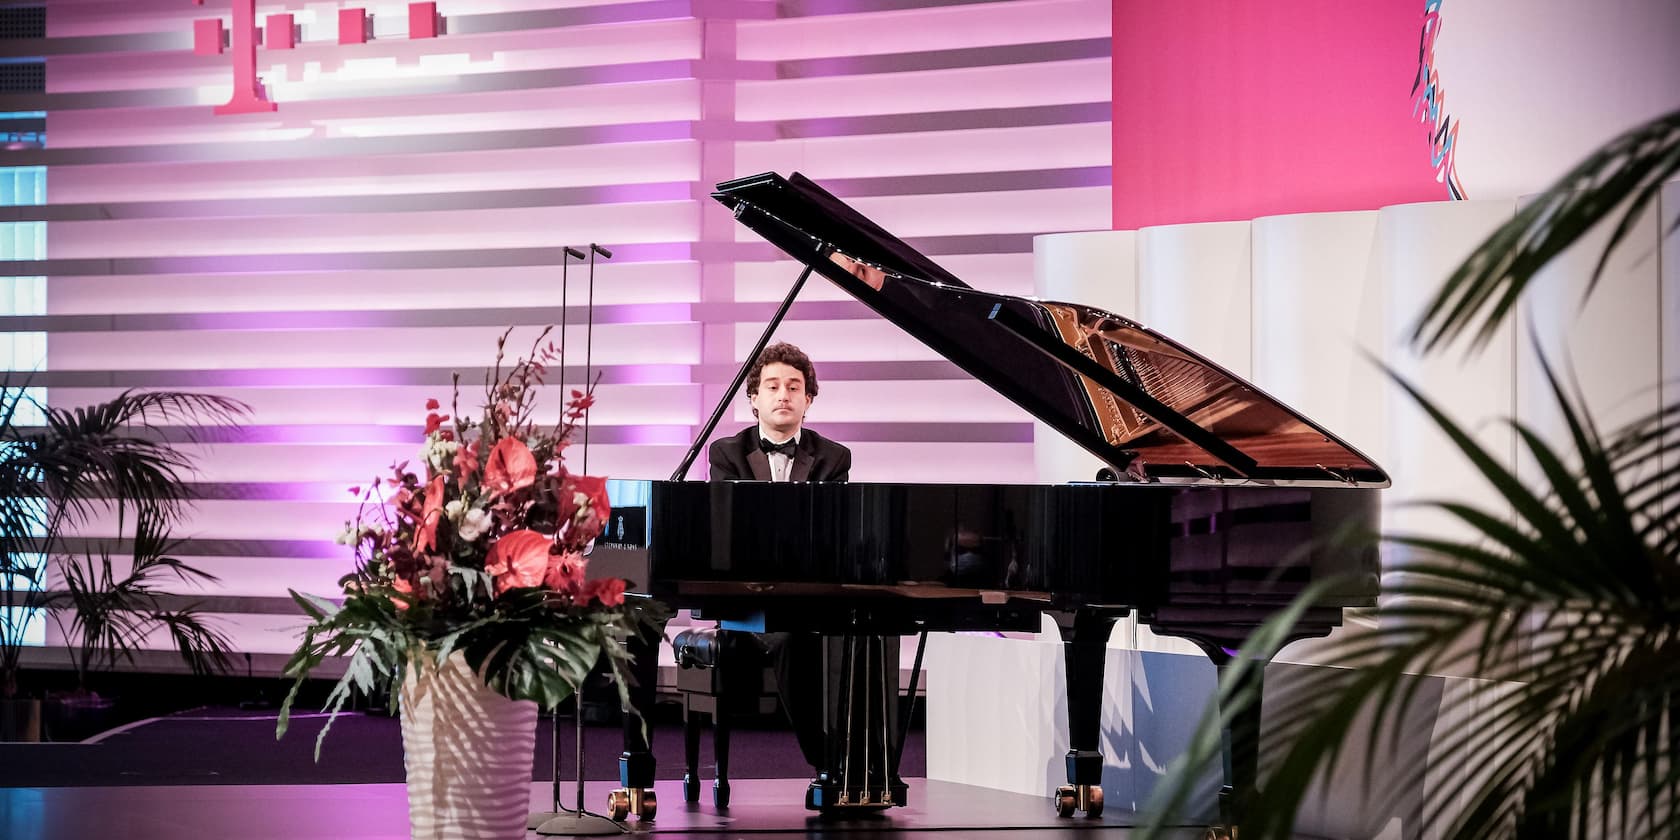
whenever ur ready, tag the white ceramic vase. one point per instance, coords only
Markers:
(468, 752)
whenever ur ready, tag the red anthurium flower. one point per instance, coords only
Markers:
(583, 503)
(432, 404)
(565, 571)
(511, 467)
(466, 460)
(401, 586)
(518, 559)
(425, 530)
(434, 421)
(609, 591)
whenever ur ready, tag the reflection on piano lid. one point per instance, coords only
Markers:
(1143, 403)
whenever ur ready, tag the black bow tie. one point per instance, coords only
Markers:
(785, 447)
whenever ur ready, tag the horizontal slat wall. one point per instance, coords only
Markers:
(332, 262)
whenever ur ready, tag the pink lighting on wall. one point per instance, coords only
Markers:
(335, 267)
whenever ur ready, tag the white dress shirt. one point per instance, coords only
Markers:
(781, 463)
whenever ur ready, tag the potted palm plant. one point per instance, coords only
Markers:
(1566, 607)
(54, 476)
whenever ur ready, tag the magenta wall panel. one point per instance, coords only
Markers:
(352, 26)
(279, 32)
(422, 20)
(1231, 110)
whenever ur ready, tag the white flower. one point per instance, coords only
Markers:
(473, 524)
(438, 453)
(454, 509)
(354, 532)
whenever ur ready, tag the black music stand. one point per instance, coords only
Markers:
(573, 822)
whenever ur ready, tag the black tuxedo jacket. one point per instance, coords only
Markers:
(816, 458)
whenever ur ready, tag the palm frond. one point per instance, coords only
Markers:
(1628, 173)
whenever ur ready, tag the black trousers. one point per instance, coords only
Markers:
(804, 661)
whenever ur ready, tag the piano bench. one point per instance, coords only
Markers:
(719, 673)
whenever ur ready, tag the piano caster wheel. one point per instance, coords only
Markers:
(720, 795)
(1219, 832)
(621, 802)
(1065, 801)
(1087, 798)
(691, 789)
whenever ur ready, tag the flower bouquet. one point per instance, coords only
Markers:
(470, 583)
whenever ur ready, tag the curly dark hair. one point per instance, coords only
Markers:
(788, 355)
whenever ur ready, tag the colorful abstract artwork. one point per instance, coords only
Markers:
(1429, 105)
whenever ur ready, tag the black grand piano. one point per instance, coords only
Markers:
(1214, 512)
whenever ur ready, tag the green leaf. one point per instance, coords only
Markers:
(1482, 292)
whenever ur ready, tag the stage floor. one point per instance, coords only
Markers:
(761, 808)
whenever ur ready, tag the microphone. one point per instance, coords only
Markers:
(573, 253)
(605, 254)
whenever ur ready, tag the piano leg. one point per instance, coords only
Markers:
(636, 763)
(1085, 646)
(1240, 744)
(861, 710)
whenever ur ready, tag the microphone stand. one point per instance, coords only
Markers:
(563, 821)
(589, 344)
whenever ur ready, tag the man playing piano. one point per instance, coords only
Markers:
(781, 386)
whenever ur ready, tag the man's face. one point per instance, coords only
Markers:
(781, 400)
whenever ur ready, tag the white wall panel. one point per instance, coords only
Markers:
(914, 30)
(374, 289)
(1317, 312)
(1195, 284)
(547, 227)
(1016, 86)
(938, 463)
(1420, 246)
(1670, 294)
(616, 405)
(1096, 268)
(835, 341)
(955, 214)
(910, 401)
(326, 349)
(1009, 274)
(1607, 347)
(387, 174)
(1011, 148)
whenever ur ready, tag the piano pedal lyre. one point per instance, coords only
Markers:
(624, 801)
(1086, 798)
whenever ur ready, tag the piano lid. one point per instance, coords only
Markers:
(1143, 403)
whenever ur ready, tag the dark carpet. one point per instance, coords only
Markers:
(233, 747)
